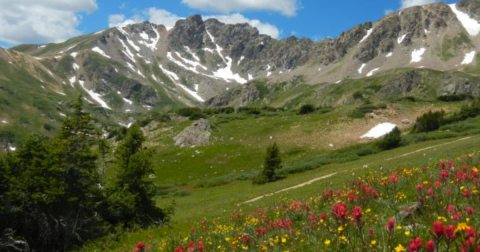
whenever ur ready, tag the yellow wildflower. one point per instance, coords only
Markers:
(400, 248)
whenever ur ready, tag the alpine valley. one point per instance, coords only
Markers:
(210, 98)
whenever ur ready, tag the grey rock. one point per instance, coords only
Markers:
(198, 134)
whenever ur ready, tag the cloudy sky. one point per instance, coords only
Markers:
(46, 21)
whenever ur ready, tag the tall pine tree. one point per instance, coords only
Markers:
(134, 164)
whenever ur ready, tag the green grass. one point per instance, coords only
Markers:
(211, 202)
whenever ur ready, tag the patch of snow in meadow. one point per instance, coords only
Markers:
(379, 131)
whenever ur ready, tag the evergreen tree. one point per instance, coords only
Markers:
(133, 184)
(271, 164)
(74, 164)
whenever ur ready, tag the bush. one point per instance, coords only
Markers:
(191, 113)
(306, 109)
(429, 121)
(391, 140)
(454, 97)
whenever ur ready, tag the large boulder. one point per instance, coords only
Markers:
(197, 134)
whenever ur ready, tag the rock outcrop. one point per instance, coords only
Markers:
(197, 134)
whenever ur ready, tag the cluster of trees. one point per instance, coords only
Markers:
(53, 196)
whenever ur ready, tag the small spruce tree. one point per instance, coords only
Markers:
(272, 163)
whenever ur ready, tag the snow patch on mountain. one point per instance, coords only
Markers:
(401, 38)
(372, 72)
(101, 52)
(471, 25)
(192, 93)
(95, 96)
(417, 55)
(360, 70)
(469, 58)
(227, 74)
(369, 32)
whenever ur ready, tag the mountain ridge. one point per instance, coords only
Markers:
(126, 71)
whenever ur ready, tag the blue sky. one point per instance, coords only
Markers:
(36, 22)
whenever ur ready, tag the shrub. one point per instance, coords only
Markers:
(306, 109)
(429, 121)
(454, 97)
(191, 113)
(391, 140)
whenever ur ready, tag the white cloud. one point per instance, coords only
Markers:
(34, 21)
(410, 3)
(286, 7)
(160, 16)
(120, 20)
(236, 18)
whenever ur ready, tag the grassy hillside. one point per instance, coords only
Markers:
(211, 181)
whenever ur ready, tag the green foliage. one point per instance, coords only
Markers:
(52, 196)
(361, 110)
(272, 163)
(391, 140)
(429, 121)
(191, 113)
(454, 97)
(133, 183)
(306, 109)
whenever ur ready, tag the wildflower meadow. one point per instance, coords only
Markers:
(430, 208)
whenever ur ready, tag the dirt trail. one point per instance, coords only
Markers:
(335, 173)
(431, 147)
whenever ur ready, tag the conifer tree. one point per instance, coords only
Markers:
(134, 164)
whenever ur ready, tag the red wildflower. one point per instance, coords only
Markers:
(466, 193)
(469, 210)
(357, 213)
(394, 178)
(140, 247)
(450, 208)
(438, 229)
(261, 231)
(200, 246)
(415, 244)
(419, 187)
(450, 234)
(430, 246)
(444, 174)
(457, 216)
(179, 249)
(339, 210)
(371, 232)
(430, 193)
(390, 225)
